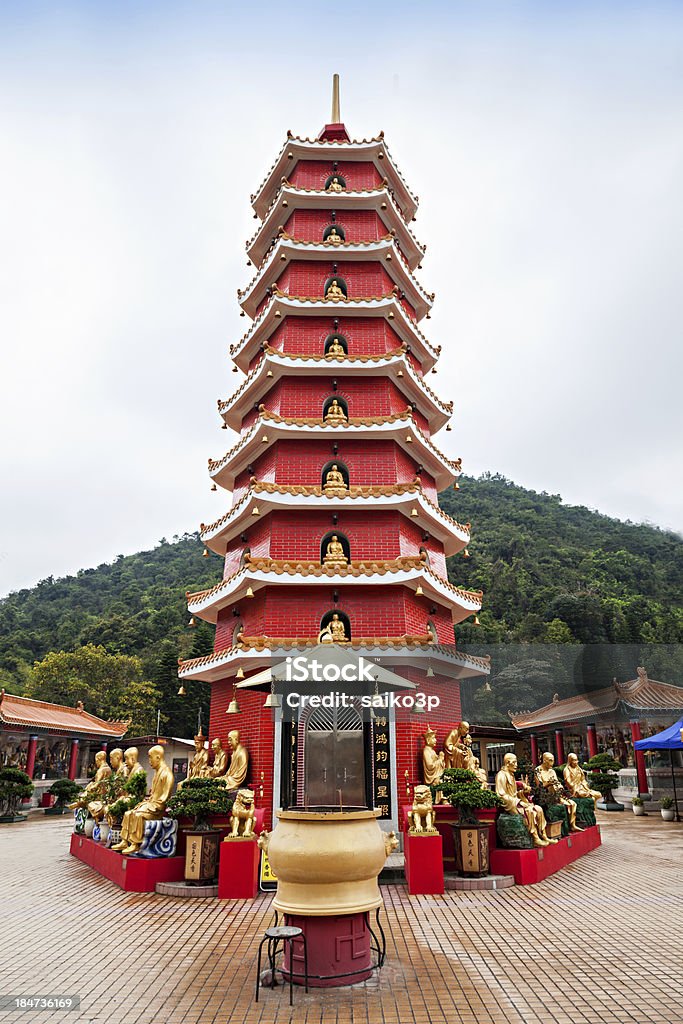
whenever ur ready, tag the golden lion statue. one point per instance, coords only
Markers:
(422, 812)
(242, 815)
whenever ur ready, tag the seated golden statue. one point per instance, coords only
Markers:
(334, 237)
(335, 413)
(242, 816)
(335, 186)
(220, 761)
(334, 481)
(133, 765)
(333, 632)
(118, 774)
(334, 554)
(200, 762)
(94, 788)
(422, 811)
(239, 761)
(150, 809)
(433, 764)
(458, 747)
(575, 780)
(336, 348)
(334, 291)
(516, 801)
(547, 777)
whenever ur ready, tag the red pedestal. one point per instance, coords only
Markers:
(529, 866)
(238, 869)
(134, 874)
(338, 950)
(424, 864)
(445, 817)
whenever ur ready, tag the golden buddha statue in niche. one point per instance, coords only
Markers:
(575, 780)
(333, 632)
(516, 801)
(239, 761)
(334, 553)
(336, 348)
(334, 237)
(547, 777)
(334, 481)
(335, 185)
(151, 808)
(335, 413)
(334, 291)
(220, 760)
(433, 764)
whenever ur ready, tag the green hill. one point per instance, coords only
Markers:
(550, 572)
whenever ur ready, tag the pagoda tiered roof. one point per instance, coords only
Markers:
(287, 249)
(290, 198)
(275, 364)
(257, 652)
(262, 572)
(369, 150)
(408, 499)
(281, 305)
(269, 428)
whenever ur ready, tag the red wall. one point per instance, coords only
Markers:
(314, 173)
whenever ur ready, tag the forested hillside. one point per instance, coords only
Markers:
(550, 573)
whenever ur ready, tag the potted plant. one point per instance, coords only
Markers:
(200, 798)
(463, 790)
(15, 786)
(638, 806)
(666, 806)
(603, 776)
(64, 791)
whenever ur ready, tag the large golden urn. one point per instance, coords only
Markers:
(327, 862)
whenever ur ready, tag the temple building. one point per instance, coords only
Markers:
(334, 534)
(51, 741)
(608, 720)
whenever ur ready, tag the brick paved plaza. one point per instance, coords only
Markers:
(603, 941)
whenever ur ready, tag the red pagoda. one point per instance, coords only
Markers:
(335, 531)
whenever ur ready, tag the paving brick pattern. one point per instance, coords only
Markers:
(600, 942)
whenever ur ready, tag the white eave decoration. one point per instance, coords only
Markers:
(290, 199)
(265, 432)
(255, 386)
(207, 605)
(309, 149)
(412, 504)
(288, 249)
(280, 306)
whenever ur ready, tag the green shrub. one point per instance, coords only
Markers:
(65, 791)
(15, 786)
(199, 798)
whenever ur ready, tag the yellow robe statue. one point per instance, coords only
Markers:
(151, 808)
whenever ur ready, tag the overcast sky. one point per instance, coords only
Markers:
(544, 140)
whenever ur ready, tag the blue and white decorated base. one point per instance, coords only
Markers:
(80, 814)
(160, 838)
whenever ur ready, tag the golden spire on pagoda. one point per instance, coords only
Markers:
(336, 113)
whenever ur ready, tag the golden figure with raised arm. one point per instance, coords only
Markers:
(547, 777)
(516, 801)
